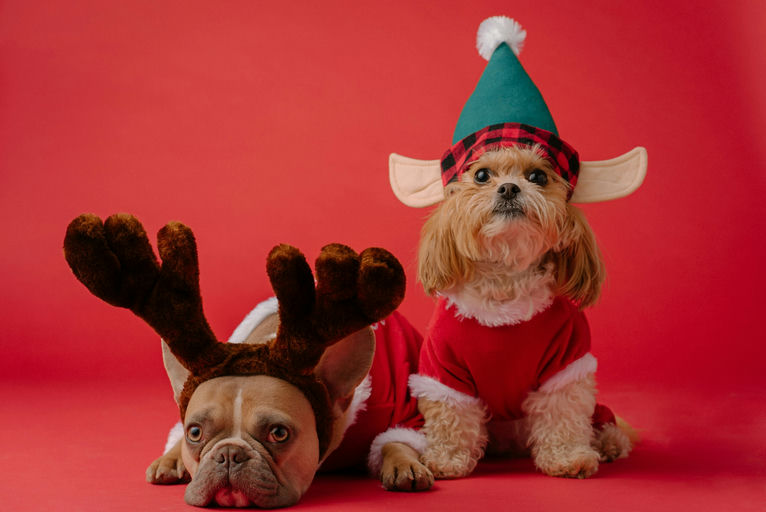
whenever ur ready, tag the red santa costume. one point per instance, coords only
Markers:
(382, 409)
(463, 360)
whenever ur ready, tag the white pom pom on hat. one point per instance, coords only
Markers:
(497, 30)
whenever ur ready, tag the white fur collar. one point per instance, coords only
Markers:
(531, 294)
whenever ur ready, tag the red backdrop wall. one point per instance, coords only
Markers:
(258, 123)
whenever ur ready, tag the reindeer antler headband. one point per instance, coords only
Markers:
(115, 261)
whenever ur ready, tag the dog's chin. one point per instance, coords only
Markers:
(246, 491)
(253, 483)
(511, 240)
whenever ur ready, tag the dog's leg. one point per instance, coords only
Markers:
(561, 434)
(456, 435)
(402, 470)
(169, 468)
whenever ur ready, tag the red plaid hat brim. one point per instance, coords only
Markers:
(563, 157)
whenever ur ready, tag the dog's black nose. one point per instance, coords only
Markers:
(508, 190)
(231, 455)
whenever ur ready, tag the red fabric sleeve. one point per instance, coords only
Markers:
(438, 357)
(570, 343)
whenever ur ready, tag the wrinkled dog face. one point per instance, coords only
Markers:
(249, 441)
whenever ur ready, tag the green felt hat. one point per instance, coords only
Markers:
(505, 92)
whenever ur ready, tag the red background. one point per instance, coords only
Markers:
(257, 123)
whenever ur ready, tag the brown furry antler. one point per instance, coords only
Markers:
(115, 261)
(352, 292)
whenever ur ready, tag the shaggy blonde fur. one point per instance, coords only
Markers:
(561, 434)
(457, 437)
(501, 266)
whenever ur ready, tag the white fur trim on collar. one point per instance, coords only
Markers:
(533, 296)
(576, 370)
(256, 316)
(412, 438)
(422, 386)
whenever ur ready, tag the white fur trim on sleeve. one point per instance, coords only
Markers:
(175, 434)
(430, 388)
(576, 370)
(412, 438)
(255, 317)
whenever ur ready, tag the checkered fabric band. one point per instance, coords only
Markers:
(564, 158)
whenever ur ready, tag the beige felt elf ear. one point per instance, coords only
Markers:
(610, 179)
(418, 183)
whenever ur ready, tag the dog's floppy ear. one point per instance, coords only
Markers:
(345, 364)
(175, 370)
(579, 268)
(439, 263)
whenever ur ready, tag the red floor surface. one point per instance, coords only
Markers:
(84, 447)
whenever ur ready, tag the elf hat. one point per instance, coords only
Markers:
(506, 109)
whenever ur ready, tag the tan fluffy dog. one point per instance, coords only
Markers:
(503, 244)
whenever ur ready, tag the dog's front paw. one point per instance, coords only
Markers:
(578, 462)
(402, 471)
(405, 475)
(167, 469)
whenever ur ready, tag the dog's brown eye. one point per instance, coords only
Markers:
(194, 433)
(279, 434)
(481, 176)
(538, 177)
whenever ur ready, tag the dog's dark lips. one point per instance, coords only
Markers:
(508, 209)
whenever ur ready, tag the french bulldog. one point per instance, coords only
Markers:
(251, 441)
(261, 414)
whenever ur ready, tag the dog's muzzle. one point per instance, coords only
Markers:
(507, 201)
(234, 474)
